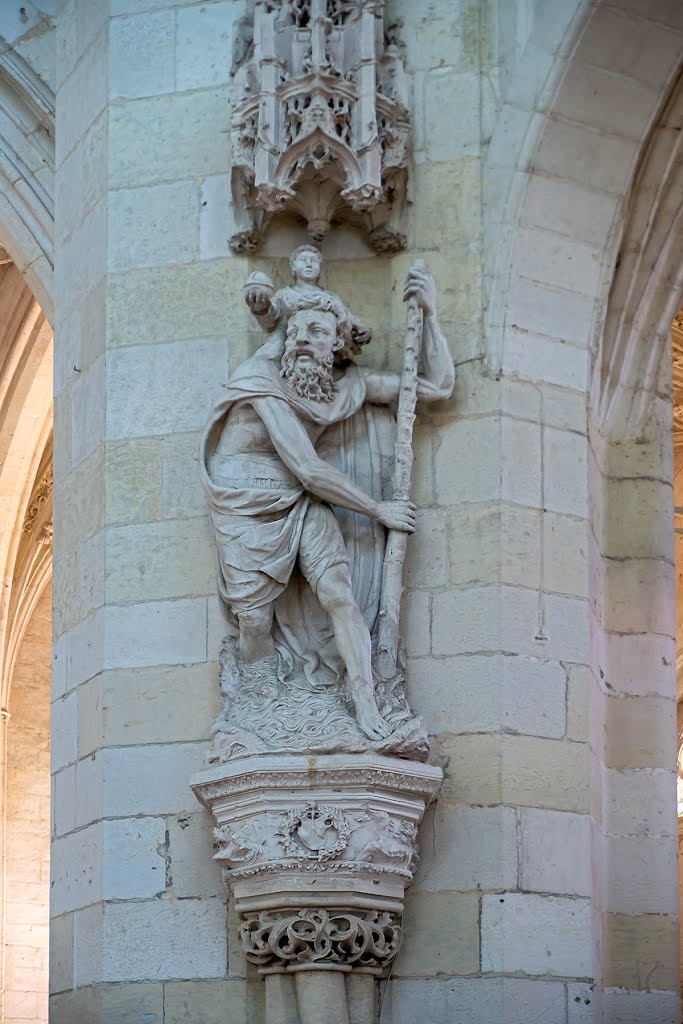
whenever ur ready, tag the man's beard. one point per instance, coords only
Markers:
(314, 380)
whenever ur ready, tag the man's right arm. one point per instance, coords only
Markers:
(296, 450)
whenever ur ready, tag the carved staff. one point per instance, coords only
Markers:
(397, 540)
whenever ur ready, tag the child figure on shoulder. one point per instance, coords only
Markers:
(273, 308)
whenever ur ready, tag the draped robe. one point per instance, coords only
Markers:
(258, 509)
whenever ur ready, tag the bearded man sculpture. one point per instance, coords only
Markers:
(296, 460)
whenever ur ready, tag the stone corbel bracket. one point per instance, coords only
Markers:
(318, 853)
(320, 122)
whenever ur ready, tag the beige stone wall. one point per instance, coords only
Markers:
(549, 861)
(591, 289)
(143, 320)
(27, 825)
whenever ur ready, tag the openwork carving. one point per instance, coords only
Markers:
(320, 121)
(336, 938)
(318, 852)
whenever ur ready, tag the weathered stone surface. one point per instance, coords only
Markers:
(156, 561)
(473, 766)
(186, 374)
(466, 621)
(556, 852)
(463, 692)
(203, 45)
(156, 633)
(204, 1002)
(148, 41)
(191, 871)
(482, 850)
(536, 934)
(472, 1001)
(545, 773)
(173, 303)
(135, 864)
(149, 705)
(639, 732)
(534, 697)
(150, 779)
(152, 225)
(134, 474)
(457, 478)
(168, 137)
(163, 939)
(441, 935)
(641, 951)
(61, 972)
(642, 1007)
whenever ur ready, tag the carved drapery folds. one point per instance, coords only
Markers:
(320, 122)
(315, 802)
(316, 784)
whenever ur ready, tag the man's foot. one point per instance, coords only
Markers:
(368, 717)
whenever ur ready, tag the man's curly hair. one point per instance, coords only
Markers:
(345, 348)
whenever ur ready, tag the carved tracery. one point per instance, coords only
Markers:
(343, 939)
(320, 122)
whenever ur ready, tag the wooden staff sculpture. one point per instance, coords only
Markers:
(397, 540)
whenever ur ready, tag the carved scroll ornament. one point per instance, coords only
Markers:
(341, 939)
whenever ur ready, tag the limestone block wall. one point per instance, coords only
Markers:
(149, 321)
(580, 268)
(27, 828)
(142, 322)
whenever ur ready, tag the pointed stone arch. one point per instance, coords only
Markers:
(647, 286)
(26, 311)
(591, 285)
(27, 161)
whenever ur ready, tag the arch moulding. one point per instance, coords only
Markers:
(595, 278)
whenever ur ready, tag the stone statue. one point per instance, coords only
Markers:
(296, 463)
(272, 309)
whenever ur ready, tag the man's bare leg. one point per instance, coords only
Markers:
(256, 641)
(353, 642)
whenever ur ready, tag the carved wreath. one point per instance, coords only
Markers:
(315, 831)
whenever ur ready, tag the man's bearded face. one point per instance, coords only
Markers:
(309, 354)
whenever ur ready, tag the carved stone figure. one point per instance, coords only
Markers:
(320, 121)
(296, 459)
(272, 308)
(332, 836)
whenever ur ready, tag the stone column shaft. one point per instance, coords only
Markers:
(141, 348)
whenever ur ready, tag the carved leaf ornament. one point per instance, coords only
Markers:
(343, 938)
